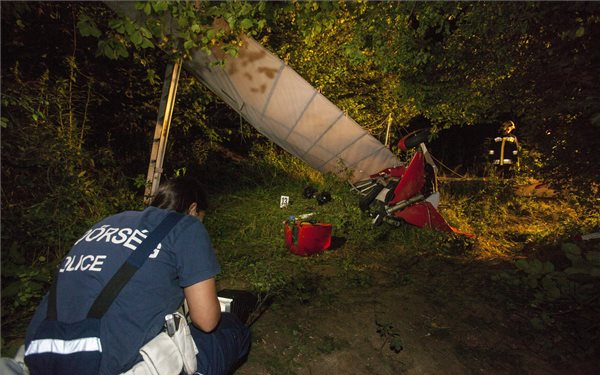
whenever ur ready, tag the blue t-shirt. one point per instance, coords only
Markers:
(183, 258)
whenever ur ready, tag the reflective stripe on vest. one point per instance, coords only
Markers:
(86, 344)
(503, 141)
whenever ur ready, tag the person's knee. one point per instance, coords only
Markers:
(240, 332)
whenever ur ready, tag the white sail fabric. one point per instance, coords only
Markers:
(285, 108)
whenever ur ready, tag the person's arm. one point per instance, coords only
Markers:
(205, 310)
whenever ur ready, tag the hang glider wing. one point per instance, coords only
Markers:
(285, 108)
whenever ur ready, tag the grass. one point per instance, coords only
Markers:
(246, 223)
(246, 226)
(247, 229)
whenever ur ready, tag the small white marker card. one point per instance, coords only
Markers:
(284, 201)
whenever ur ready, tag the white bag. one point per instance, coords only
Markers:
(168, 355)
(185, 344)
(162, 356)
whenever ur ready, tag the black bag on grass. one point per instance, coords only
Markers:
(243, 302)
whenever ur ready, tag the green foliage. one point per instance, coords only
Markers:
(564, 293)
(27, 282)
(584, 265)
(440, 61)
(311, 36)
(197, 25)
(44, 134)
(356, 272)
(53, 187)
(390, 336)
(77, 126)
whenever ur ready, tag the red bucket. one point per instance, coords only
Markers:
(306, 239)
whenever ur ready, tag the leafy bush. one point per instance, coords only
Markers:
(563, 295)
(53, 188)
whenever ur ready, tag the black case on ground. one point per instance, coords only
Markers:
(243, 304)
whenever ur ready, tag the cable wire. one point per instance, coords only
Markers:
(445, 166)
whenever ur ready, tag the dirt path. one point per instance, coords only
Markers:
(446, 316)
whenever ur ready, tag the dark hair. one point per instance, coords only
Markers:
(179, 193)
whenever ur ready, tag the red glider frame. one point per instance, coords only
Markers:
(406, 194)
